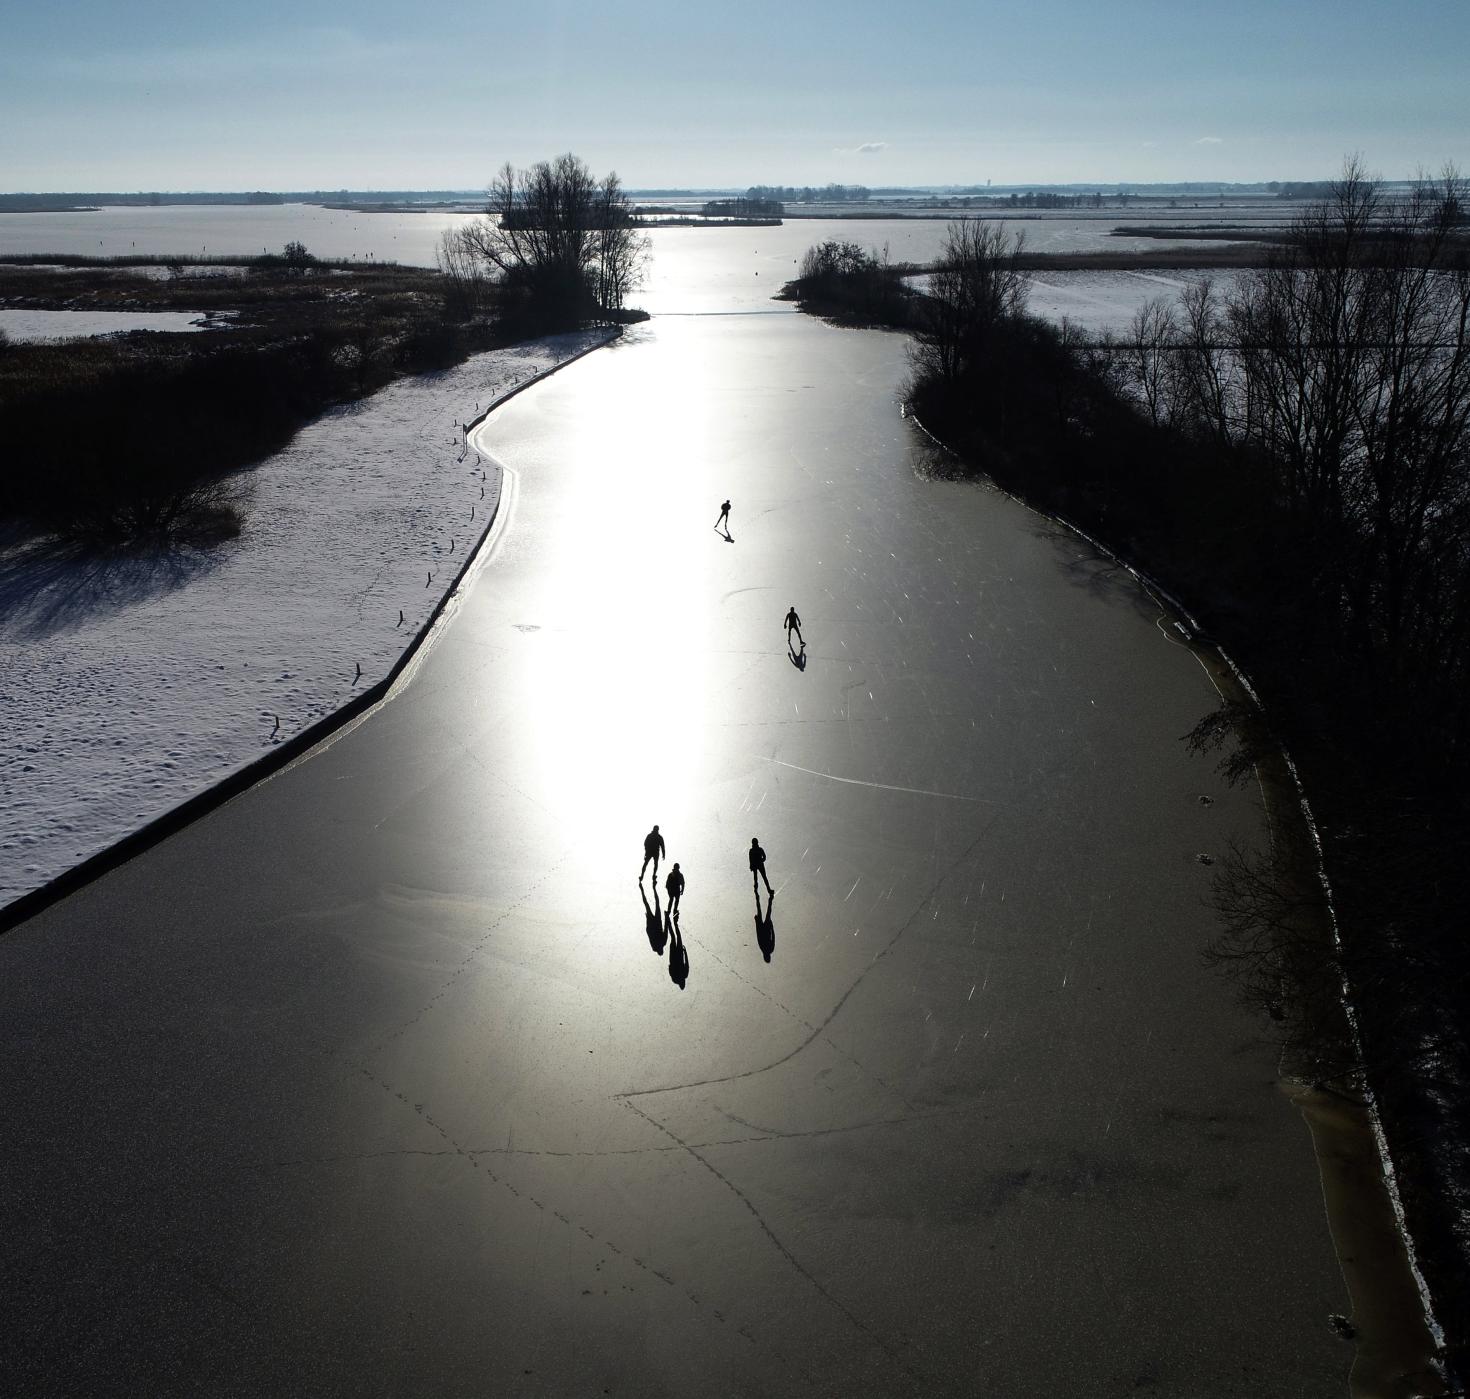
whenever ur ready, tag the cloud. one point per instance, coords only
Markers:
(1210, 141)
(867, 148)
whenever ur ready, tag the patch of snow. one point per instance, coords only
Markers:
(21, 324)
(128, 687)
(188, 272)
(1107, 300)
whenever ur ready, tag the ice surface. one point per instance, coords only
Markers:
(129, 687)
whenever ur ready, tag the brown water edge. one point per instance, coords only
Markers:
(1395, 1350)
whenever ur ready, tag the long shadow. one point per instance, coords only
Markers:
(50, 585)
(797, 658)
(678, 955)
(1092, 571)
(653, 922)
(765, 930)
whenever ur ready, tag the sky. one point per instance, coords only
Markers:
(297, 94)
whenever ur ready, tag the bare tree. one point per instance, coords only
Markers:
(976, 285)
(296, 258)
(1148, 356)
(1207, 378)
(555, 236)
(1354, 350)
(463, 272)
(621, 249)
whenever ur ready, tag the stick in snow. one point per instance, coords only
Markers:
(400, 616)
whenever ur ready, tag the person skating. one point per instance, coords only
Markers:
(793, 623)
(653, 848)
(723, 523)
(674, 887)
(758, 866)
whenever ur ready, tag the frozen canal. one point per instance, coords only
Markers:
(376, 1081)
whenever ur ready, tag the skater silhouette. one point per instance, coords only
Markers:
(674, 887)
(765, 930)
(758, 866)
(653, 921)
(793, 623)
(653, 848)
(723, 523)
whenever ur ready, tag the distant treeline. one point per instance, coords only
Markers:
(809, 194)
(746, 208)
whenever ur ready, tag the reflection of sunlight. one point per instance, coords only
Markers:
(619, 686)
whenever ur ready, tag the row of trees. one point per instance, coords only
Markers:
(561, 247)
(1343, 371)
(812, 194)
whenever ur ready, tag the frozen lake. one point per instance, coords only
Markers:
(692, 271)
(964, 1112)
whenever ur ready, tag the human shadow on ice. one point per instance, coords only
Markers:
(795, 656)
(1094, 573)
(765, 930)
(653, 922)
(678, 955)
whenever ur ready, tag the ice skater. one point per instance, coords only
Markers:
(793, 624)
(674, 888)
(653, 848)
(723, 523)
(758, 866)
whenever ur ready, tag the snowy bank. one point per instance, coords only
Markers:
(128, 687)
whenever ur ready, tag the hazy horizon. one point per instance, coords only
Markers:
(307, 95)
(944, 188)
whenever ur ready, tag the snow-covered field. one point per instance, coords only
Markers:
(1103, 301)
(21, 324)
(1108, 301)
(128, 687)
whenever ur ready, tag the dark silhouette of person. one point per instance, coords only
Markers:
(797, 658)
(674, 887)
(653, 848)
(765, 930)
(678, 960)
(723, 523)
(653, 921)
(758, 866)
(793, 623)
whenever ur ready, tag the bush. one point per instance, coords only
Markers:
(845, 281)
